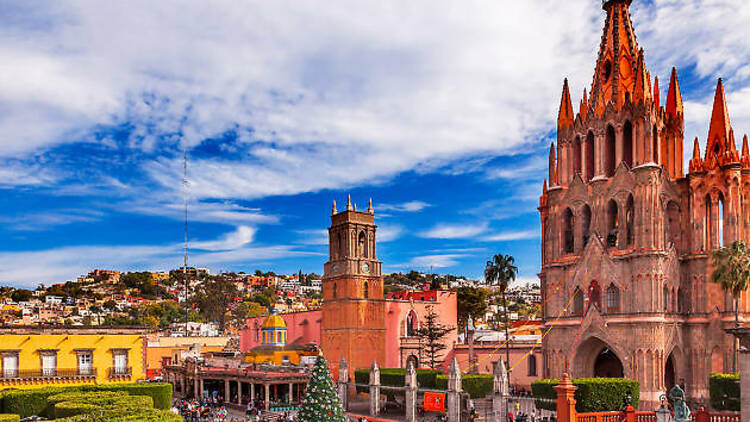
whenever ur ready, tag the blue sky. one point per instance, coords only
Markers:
(442, 112)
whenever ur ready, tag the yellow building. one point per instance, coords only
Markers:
(274, 349)
(35, 357)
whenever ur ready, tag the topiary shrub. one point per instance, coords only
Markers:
(160, 393)
(92, 403)
(592, 395)
(151, 415)
(27, 403)
(9, 418)
(724, 390)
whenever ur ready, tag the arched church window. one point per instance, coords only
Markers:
(708, 225)
(666, 298)
(630, 221)
(613, 299)
(589, 156)
(362, 245)
(627, 144)
(411, 324)
(680, 301)
(720, 234)
(532, 366)
(612, 223)
(655, 145)
(595, 294)
(673, 224)
(577, 156)
(366, 292)
(578, 302)
(568, 225)
(609, 152)
(335, 290)
(339, 245)
(585, 224)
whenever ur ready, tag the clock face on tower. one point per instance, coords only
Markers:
(365, 267)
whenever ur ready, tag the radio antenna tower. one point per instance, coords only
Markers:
(185, 263)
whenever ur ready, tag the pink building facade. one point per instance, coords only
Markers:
(403, 317)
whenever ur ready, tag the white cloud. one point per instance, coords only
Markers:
(512, 235)
(533, 167)
(313, 236)
(359, 91)
(410, 206)
(28, 268)
(389, 233)
(224, 212)
(435, 261)
(233, 240)
(33, 221)
(454, 231)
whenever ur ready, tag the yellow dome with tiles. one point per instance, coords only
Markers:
(274, 321)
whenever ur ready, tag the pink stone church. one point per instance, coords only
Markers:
(627, 235)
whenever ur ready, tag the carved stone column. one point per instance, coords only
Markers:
(342, 384)
(411, 393)
(453, 399)
(501, 392)
(374, 389)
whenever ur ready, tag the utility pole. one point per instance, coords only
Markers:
(185, 262)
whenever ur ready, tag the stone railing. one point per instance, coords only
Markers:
(454, 394)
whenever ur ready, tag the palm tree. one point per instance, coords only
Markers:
(732, 272)
(500, 271)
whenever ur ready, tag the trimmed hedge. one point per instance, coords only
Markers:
(477, 385)
(592, 395)
(33, 402)
(90, 404)
(138, 416)
(160, 393)
(724, 390)
(396, 377)
(9, 418)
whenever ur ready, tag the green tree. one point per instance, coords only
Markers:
(21, 295)
(110, 305)
(94, 309)
(213, 298)
(432, 336)
(321, 403)
(246, 310)
(499, 272)
(472, 302)
(732, 273)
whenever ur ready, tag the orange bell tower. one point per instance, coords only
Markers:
(353, 321)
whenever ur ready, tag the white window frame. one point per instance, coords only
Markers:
(9, 372)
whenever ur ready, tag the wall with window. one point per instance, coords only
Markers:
(37, 360)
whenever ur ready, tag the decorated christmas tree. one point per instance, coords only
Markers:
(321, 403)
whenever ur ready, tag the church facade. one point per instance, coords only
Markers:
(627, 235)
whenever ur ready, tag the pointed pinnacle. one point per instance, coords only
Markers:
(720, 125)
(565, 116)
(657, 95)
(369, 207)
(674, 97)
(745, 152)
(333, 212)
(349, 203)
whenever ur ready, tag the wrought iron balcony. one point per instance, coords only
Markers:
(119, 372)
(47, 373)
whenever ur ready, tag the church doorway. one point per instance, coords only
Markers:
(669, 373)
(608, 365)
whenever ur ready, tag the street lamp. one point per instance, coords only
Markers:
(662, 413)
